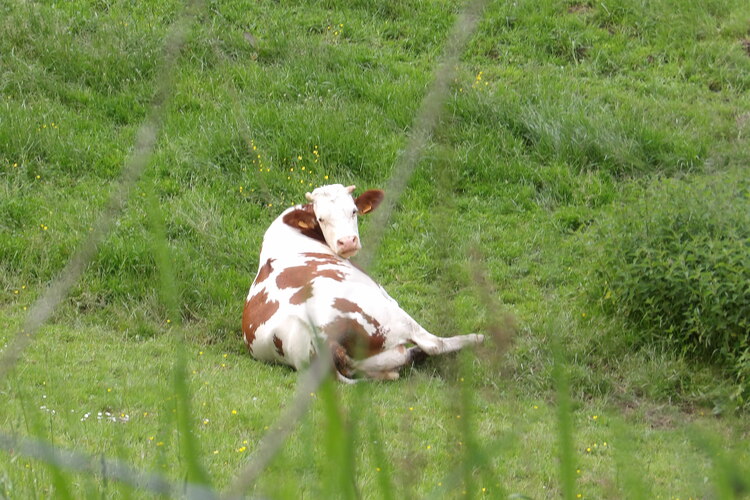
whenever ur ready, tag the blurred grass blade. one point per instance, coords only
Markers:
(501, 323)
(475, 457)
(731, 477)
(272, 441)
(62, 491)
(339, 460)
(189, 446)
(424, 123)
(629, 476)
(564, 424)
(35, 427)
(453, 478)
(168, 291)
(383, 470)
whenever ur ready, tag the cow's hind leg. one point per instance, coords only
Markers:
(385, 365)
(391, 375)
(387, 361)
(432, 345)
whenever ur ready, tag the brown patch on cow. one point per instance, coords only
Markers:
(355, 339)
(341, 359)
(303, 219)
(257, 311)
(279, 345)
(301, 276)
(264, 272)
(325, 258)
(301, 295)
(347, 306)
(318, 258)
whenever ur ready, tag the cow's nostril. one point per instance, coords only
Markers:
(348, 241)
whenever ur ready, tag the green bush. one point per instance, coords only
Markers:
(676, 263)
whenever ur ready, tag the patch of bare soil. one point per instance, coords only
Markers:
(746, 45)
(579, 8)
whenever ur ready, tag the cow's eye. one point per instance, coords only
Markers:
(320, 219)
(354, 212)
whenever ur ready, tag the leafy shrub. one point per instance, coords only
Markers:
(676, 263)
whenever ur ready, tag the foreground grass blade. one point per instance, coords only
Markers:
(424, 123)
(564, 425)
(476, 456)
(382, 462)
(731, 477)
(189, 445)
(628, 474)
(271, 443)
(168, 291)
(339, 460)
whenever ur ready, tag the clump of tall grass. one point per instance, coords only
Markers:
(676, 263)
(586, 130)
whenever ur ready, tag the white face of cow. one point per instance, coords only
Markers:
(336, 213)
(331, 217)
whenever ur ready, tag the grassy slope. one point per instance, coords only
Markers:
(560, 112)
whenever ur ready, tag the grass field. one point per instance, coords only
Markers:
(561, 116)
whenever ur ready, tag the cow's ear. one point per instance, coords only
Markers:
(369, 200)
(301, 219)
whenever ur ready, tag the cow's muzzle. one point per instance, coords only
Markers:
(348, 246)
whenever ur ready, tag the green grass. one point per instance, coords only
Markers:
(560, 114)
(418, 433)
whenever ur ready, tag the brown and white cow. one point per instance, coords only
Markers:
(308, 294)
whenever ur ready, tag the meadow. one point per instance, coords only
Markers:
(576, 150)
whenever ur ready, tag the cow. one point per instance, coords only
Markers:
(308, 295)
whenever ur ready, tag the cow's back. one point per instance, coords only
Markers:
(296, 298)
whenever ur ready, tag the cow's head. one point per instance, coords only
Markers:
(331, 216)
